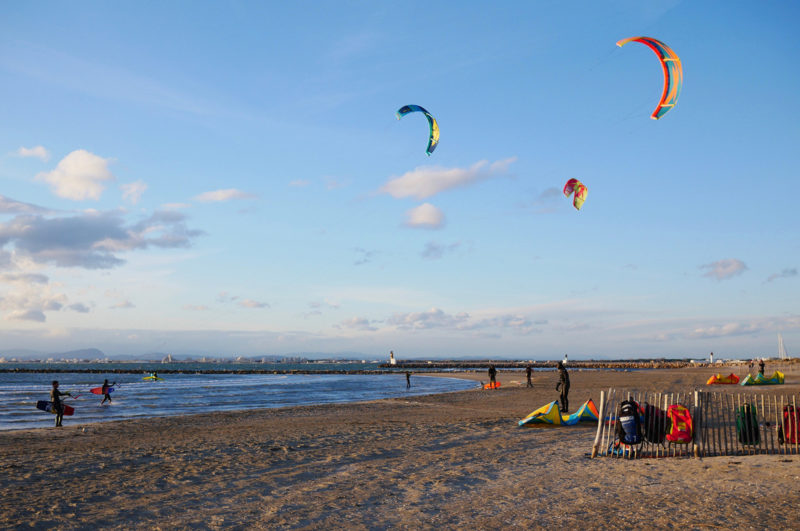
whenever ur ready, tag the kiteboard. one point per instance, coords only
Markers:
(44, 405)
(491, 385)
(99, 390)
(153, 378)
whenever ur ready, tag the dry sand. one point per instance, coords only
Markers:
(453, 461)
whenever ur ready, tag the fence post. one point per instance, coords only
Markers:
(599, 423)
(699, 423)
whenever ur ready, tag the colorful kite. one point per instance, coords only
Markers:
(433, 140)
(574, 185)
(673, 73)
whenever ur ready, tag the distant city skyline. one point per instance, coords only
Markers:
(231, 178)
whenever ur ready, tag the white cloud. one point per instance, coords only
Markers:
(133, 191)
(79, 175)
(217, 196)
(425, 216)
(427, 181)
(38, 152)
(722, 269)
(122, 305)
(300, 183)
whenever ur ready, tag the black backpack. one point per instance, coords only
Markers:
(629, 425)
(655, 424)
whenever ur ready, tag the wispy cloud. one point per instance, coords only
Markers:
(80, 175)
(435, 250)
(357, 323)
(427, 181)
(250, 303)
(195, 307)
(299, 183)
(217, 196)
(11, 206)
(38, 152)
(724, 269)
(132, 192)
(425, 216)
(365, 256)
(786, 273)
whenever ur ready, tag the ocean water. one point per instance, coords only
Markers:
(182, 394)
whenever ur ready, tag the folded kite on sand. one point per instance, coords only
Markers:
(760, 379)
(550, 414)
(719, 379)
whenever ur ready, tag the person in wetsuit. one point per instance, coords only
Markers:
(58, 407)
(563, 383)
(492, 377)
(106, 392)
(761, 366)
(529, 373)
(408, 380)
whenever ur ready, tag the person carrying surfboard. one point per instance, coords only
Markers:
(58, 407)
(106, 392)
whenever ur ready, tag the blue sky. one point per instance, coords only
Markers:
(209, 178)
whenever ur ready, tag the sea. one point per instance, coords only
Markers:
(194, 391)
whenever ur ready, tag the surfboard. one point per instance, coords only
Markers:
(44, 405)
(491, 386)
(99, 390)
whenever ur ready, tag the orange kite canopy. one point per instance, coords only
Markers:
(719, 379)
(673, 73)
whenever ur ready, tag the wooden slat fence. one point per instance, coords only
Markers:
(714, 416)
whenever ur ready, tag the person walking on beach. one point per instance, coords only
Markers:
(408, 380)
(761, 366)
(106, 392)
(492, 377)
(58, 407)
(563, 383)
(529, 373)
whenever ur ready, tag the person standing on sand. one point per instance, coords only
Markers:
(563, 383)
(106, 392)
(492, 377)
(761, 366)
(58, 407)
(408, 380)
(529, 373)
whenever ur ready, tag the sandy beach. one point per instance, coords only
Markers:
(446, 461)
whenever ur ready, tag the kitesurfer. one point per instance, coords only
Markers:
(563, 383)
(408, 380)
(761, 366)
(529, 373)
(492, 377)
(58, 407)
(105, 391)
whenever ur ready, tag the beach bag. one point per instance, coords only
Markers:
(791, 423)
(680, 429)
(629, 425)
(655, 424)
(747, 425)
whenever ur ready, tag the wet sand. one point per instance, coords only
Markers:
(447, 461)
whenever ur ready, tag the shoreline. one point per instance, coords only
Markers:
(453, 460)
